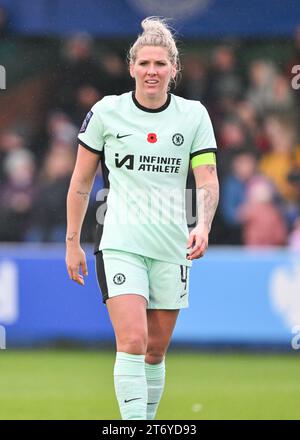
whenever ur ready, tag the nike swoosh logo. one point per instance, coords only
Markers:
(181, 296)
(123, 136)
(136, 398)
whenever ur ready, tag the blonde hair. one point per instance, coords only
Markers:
(156, 32)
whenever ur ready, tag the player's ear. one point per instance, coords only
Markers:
(173, 73)
(131, 70)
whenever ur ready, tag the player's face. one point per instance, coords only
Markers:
(152, 71)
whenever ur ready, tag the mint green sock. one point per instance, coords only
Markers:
(155, 374)
(131, 386)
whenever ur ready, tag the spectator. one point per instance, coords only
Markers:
(50, 203)
(283, 99)
(194, 85)
(232, 137)
(225, 82)
(17, 195)
(284, 154)
(60, 128)
(248, 117)
(86, 97)
(261, 91)
(115, 74)
(10, 141)
(78, 69)
(262, 222)
(233, 192)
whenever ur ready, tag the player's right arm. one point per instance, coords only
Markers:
(77, 202)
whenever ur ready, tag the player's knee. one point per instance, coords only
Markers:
(134, 343)
(154, 356)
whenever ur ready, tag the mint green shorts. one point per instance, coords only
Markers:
(164, 285)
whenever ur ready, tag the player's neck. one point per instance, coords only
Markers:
(152, 102)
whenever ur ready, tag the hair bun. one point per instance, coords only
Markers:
(156, 26)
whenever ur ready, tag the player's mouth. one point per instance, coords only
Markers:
(151, 82)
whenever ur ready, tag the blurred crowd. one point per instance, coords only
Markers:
(255, 113)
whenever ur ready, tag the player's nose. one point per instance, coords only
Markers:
(151, 69)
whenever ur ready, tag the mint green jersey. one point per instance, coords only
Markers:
(145, 155)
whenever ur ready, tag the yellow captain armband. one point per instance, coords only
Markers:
(203, 159)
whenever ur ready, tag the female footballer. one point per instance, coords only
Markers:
(146, 141)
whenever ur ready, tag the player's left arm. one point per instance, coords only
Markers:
(207, 196)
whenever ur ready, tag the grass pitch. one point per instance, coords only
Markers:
(79, 385)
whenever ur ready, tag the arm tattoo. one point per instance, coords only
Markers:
(211, 169)
(71, 238)
(207, 202)
(85, 195)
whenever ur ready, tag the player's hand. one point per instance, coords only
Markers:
(76, 260)
(197, 243)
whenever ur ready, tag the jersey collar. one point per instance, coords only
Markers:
(152, 110)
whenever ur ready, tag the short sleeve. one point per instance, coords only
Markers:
(204, 140)
(91, 132)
